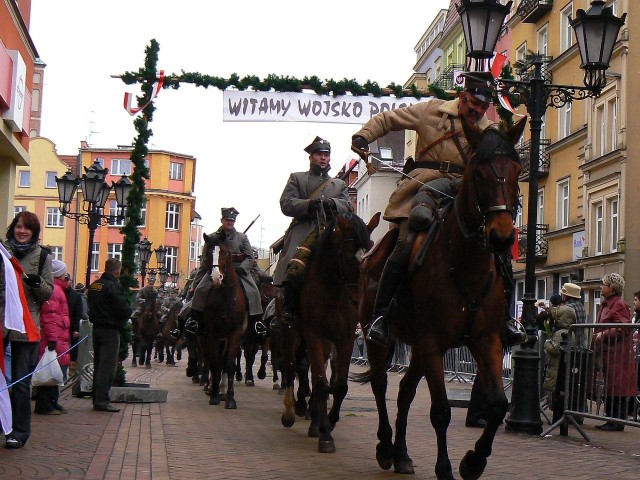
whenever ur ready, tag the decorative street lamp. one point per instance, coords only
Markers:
(596, 33)
(174, 279)
(144, 255)
(95, 192)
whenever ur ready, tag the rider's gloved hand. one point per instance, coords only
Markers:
(329, 204)
(313, 206)
(360, 143)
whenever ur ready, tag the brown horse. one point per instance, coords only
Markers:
(148, 330)
(224, 318)
(455, 297)
(328, 306)
(166, 341)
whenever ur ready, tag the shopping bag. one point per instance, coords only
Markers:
(48, 372)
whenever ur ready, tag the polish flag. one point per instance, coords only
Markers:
(128, 97)
(497, 62)
(515, 248)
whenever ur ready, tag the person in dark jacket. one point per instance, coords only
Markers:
(109, 311)
(76, 312)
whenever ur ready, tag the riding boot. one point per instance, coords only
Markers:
(391, 277)
(289, 302)
(258, 325)
(194, 324)
(177, 332)
(510, 335)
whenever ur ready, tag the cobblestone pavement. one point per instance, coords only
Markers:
(186, 438)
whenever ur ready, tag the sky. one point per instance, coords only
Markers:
(240, 164)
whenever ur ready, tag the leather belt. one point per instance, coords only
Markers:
(444, 167)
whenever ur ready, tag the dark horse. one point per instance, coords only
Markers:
(252, 342)
(166, 341)
(224, 318)
(455, 297)
(148, 330)
(329, 314)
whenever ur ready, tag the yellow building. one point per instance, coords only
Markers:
(581, 193)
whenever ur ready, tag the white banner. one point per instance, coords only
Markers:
(249, 106)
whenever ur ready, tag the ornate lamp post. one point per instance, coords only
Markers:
(144, 255)
(596, 33)
(95, 194)
(174, 279)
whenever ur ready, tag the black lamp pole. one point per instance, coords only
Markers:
(95, 193)
(596, 32)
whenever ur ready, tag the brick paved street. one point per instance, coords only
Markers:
(186, 438)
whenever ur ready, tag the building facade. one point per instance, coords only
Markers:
(17, 58)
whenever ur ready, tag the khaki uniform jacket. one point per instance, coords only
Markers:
(294, 202)
(430, 120)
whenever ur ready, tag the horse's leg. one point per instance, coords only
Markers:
(402, 463)
(264, 358)
(440, 410)
(232, 353)
(489, 359)
(340, 375)
(215, 372)
(170, 358)
(159, 345)
(249, 359)
(304, 387)
(378, 362)
(288, 365)
(317, 353)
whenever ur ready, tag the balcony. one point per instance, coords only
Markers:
(524, 151)
(446, 80)
(542, 244)
(532, 10)
(526, 68)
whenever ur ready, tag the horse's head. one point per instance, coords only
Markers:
(490, 186)
(215, 255)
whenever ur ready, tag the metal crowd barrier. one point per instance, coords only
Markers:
(598, 378)
(459, 364)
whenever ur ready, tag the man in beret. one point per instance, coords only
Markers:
(302, 197)
(242, 254)
(441, 153)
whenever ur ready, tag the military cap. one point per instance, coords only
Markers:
(230, 213)
(480, 84)
(318, 145)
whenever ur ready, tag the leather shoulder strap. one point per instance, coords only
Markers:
(316, 193)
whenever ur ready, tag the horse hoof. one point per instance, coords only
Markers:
(134, 364)
(262, 373)
(314, 431)
(276, 386)
(179, 355)
(287, 422)
(214, 400)
(230, 404)
(171, 362)
(384, 463)
(403, 464)
(249, 383)
(148, 367)
(472, 466)
(238, 377)
(326, 446)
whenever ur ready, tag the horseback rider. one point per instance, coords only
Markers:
(302, 198)
(441, 154)
(146, 293)
(242, 254)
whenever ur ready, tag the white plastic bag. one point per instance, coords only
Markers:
(48, 372)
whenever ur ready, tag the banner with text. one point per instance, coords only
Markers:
(249, 106)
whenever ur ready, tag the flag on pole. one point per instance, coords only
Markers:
(128, 97)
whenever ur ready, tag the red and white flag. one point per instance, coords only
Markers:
(128, 97)
(497, 62)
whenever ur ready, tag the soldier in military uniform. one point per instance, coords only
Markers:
(301, 199)
(242, 254)
(441, 154)
(148, 292)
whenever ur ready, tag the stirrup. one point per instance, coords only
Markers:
(191, 326)
(378, 331)
(260, 328)
(175, 333)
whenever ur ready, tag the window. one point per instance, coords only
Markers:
(540, 217)
(386, 153)
(54, 217)
(171, 260)
(114, 250)
(601, 143)
(564, 121)
(56, 253)
(599, 224)
(172, 219)
(100, 161)
(521, 56)
(120, 167)
(175, 171)
(519, 216)
(24, 178)
(563, 203)
(50, 180)
(541, 288)
(566, 32)
(606, 117)
(35, 100)
(114, 221)
(612, 120)
(17, 209)
(143, 215)
(194, 249)
(613, 211)
(95, 257)
(543, 40)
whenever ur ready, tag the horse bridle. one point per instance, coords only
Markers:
(483, 213)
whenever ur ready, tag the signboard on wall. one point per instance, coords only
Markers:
(579, 242)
